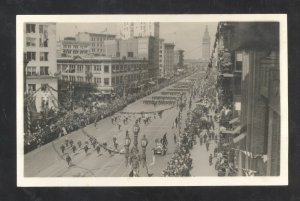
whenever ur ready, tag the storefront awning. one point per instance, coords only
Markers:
(235, 120)
(237, 130)
(239, 138)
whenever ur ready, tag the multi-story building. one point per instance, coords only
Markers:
(169, 68)
(40, 63)
(161, 57)
(248, 64)
(179, 59)
(107, 72)
(140, 47)
(70, 47)
(140, 29)
(96, 41)
(206, 45)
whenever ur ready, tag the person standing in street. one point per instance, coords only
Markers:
(207, 145)
(68, 159)
(62, 148)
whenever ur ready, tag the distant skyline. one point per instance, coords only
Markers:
(185, 35)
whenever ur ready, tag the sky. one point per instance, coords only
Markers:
(185, 35)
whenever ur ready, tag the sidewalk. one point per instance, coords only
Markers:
(200, 156)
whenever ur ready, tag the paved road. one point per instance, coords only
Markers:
(45, 161)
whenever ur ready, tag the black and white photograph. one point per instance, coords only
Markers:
(152, 100)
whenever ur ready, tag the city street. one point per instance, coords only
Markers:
(45, 161)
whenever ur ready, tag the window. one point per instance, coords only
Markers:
(72, 68)
(30, 42)
(106, 81)
(31, 87)
(31, 70)
(30, 56)
(129, 54)
(80, 79)
(125, 68)
(72, 78)
(239, 61)
(80, 68)
(44, 70)
(106, 69)
(43, 29)
(30, 28)
(97, 80)
(44, 56)
(97, 68)
(121, 68)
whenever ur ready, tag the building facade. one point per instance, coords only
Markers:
(140, 29)
(70, 47)
(95, 40)
(169, 68)
(179, 59)
(107, 72)
(206, 45)
(40, 63)
(145, 48)
(161, 58)
(248, 64)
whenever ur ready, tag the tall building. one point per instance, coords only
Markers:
(143, 30)
(95, 40)
(139, 47)
(169, 68)
(206, 45)
(248, 83)
(161, 57)
(70, 47)
(40, 63)
(179, 59)
(140, 29)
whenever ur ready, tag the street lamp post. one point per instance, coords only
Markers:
(71, 93)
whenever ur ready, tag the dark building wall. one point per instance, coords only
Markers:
(260, 111)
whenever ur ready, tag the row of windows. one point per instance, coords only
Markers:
(31, 56)
(30, 28)
(75, 46)
(31, 42)
(125, 68)
(129, 78)
(71, 68)
(97, 50)
(32, 70)
(75, 51)
(97, 45)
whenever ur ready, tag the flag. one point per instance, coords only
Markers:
(265, 158)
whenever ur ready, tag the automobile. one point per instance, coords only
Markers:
(159, 149)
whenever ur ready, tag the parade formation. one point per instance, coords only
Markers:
(194, 122)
